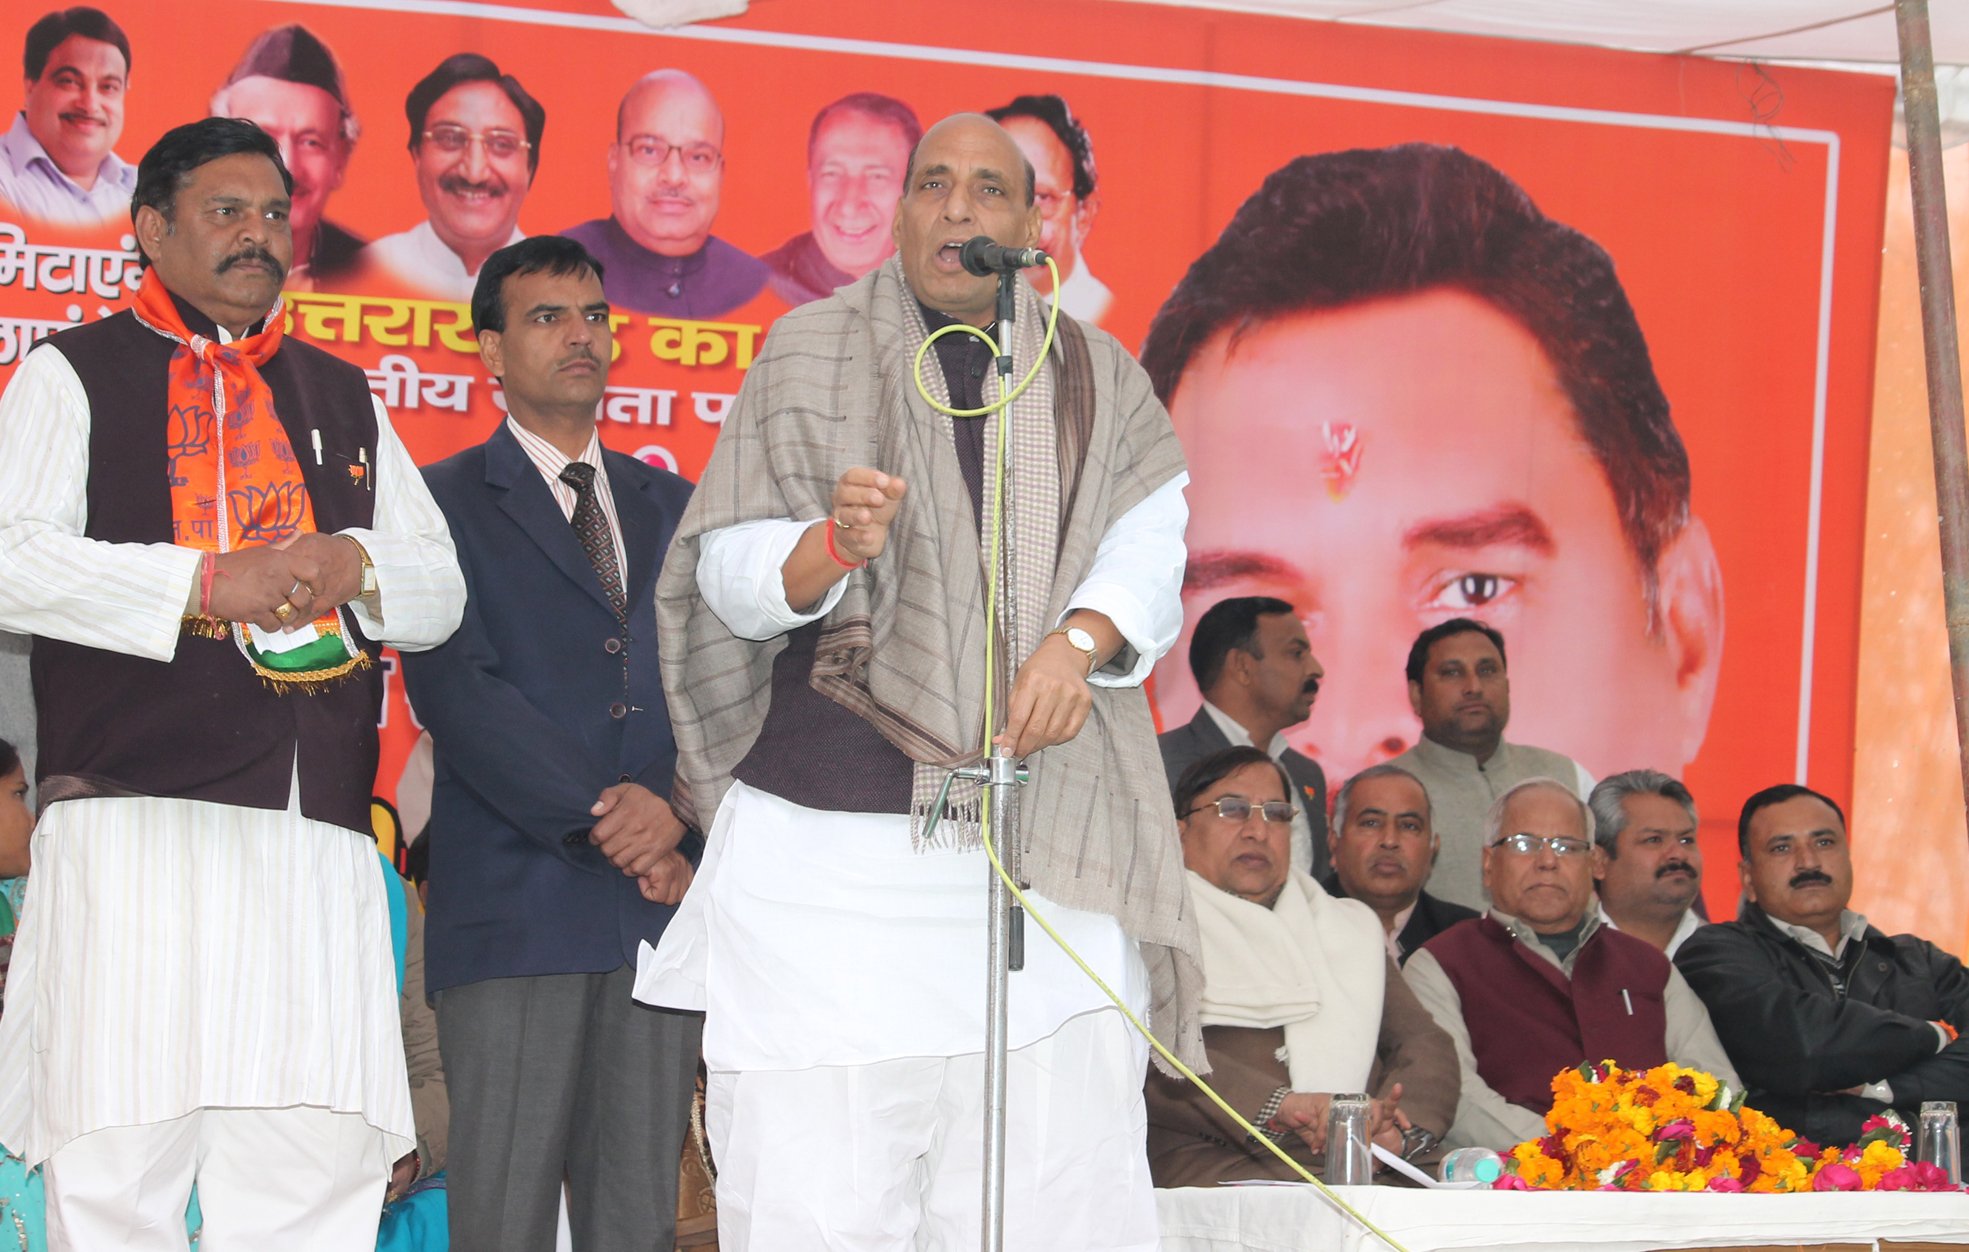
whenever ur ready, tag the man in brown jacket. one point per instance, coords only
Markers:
(1300, 998)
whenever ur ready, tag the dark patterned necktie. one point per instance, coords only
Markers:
(591, 527)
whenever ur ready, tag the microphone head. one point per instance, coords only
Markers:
(977, 255)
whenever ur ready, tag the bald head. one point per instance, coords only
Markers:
(1014, 158)
(667, 166)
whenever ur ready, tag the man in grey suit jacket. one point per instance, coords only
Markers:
(1258, 675)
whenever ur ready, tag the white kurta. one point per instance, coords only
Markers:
(176, 954)
(422, 260)
(814, 937)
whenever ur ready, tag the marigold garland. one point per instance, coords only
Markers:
(1676, 1129)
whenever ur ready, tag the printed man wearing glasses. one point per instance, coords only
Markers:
(475, 142)
(666, 172)
(1300, 999)
(1541, 983)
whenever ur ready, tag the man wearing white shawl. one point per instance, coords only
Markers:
(1300, 998)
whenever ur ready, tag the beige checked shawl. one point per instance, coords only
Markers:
(832, 389)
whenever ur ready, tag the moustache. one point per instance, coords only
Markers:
(98, 119)
(459, 186)
(1676, 867)
(256, 254)
(1807, 877)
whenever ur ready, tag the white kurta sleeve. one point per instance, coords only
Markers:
(738, 574)
(1136, 580)
(420, 591)
(123, 597)
(1484, 1119)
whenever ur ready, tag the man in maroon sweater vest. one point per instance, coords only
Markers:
(1541, 983)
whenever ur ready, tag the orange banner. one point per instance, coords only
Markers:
(1383, 469)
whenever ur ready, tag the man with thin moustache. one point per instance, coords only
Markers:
(289, 85)
(1062, 155)
(475, 144)
(551, 813)
(56, 162)
(1831, 1020)
(666, 176)
(1650, 874)
(1383, 846)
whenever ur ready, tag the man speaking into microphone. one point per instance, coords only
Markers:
(823, 624)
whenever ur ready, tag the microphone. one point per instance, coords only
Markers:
(984, 258)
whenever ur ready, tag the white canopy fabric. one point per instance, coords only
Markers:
(1764, 30)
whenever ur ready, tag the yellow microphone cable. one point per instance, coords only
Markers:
(991, 658)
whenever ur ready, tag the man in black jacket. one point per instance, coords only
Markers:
(1828, 1020)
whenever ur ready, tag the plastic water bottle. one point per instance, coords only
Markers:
(1479, 1165)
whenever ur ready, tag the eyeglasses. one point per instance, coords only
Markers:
(1237, 808)
(1561, 845)
(698, 158)
(499, 144)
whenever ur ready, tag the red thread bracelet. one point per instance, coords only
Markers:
(835, 553)
(206, 565)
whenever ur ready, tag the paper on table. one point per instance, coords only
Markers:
(1394, 1162)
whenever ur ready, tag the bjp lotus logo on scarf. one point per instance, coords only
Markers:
(190, 435)
(269, 514)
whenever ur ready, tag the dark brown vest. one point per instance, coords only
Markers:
(1527, 1021)
(204, 726)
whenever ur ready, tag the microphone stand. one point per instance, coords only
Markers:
(1005, 942)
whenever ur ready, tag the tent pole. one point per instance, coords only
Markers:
(1939, 342)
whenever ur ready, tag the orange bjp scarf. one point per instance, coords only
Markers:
(235, 478)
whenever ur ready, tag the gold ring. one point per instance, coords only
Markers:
(283, 610)
(841, 525)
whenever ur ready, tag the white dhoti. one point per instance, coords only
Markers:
(842, 976)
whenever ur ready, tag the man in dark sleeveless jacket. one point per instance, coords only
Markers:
(210, 530)
(1541, 983)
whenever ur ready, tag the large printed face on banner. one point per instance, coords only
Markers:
(1064, 218)
(1434, 511)
(471, 165)
(75, 108)
(666, 171)
(855, 176)
(307, 124)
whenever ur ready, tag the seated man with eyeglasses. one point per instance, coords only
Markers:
(1300, 998)
(475, 145)
(1542, 983)
(666, 174)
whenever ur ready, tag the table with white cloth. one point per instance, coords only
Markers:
(1296, 1218)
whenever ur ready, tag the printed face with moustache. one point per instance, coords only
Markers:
(1798, 866)
(855, 178)
(473, 198)
(1383, 854)
(1657, 862)
(968, 179)
(1064, 218)
(307, 124)
(667, 207)
(1248, 859)
(1542, 889)
(75, 109)
(552, 358)
(225, 247)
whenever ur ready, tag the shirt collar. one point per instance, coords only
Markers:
(1524, 934)
(22, 150)
(1240, 737)
(1852, 926)
(549, 459)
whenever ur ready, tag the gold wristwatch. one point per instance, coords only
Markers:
(1082, 641)
(368, 568)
